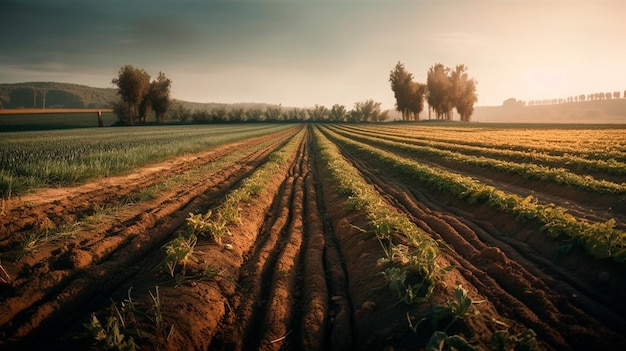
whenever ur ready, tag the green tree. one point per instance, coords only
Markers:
(133, 84)
(274, 113)
(337, 113)
(416, 100)
(236, 115)
(367, 111)
(296, 115)
(318, 113)
(254, 115)
(159, 96)
(463, 92)
(440, 93)
(402, 85)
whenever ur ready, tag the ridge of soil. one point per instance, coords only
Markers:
(300, 272)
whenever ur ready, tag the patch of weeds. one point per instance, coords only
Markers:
(230, 213)
(119, 330)
(158, 315)
(502, 340)
(456, 309)
(36, 240)
(440, 341)
(203, 224)
(180, 252)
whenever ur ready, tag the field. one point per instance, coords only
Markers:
(37, 119)
(433, 236)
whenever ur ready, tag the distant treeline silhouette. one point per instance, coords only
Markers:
(556, 101)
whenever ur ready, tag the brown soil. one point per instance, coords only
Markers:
(297, 273)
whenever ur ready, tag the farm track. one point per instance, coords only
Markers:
(513, 280)
(58, 282)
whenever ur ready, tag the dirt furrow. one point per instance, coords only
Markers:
(86, 267)
(514, 290)
(45, 209)
(264, 306)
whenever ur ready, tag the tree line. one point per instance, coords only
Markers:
(363, 111)
(445, 89)
(139, 97)
(577, 98)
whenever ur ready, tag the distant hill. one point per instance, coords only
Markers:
(57, 95)
(595, 111)
(66, 95)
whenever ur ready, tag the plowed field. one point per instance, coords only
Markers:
(301, 268)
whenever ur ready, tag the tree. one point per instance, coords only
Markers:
(133, 84)
(337, 113)
(236, 114)
(318, 113)
(273, 114)
(440, 94)
(416, 100)
(408, 93)
(463, 92)
(159, 96)
(367, 110)
(401, 86)
(254, 115)
(296, 115)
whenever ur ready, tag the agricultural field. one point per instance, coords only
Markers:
(33, 119)
(423, 236)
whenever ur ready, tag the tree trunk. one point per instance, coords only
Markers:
(100, 122)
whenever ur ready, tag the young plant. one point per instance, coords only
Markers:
(456, 309)
(502, 340)
(180, 252)
(119, 330)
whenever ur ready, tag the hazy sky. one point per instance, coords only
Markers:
(306, 52)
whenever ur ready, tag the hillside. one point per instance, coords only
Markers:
(54, 95)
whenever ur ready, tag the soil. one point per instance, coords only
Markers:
(299, 272)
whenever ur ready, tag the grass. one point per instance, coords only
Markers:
(59, 158)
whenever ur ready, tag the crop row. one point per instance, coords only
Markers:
(601, 144)
(403, 261)
(36, 159)
(216, 223)
(527, 170)
(601, 239)
(386, 223)
(572, 162)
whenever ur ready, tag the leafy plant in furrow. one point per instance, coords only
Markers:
(414, 270)
(528, 170)
(216, 223)
(601, 239)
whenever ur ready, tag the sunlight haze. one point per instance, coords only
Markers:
(301, 53)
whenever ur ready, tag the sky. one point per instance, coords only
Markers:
(306, 52)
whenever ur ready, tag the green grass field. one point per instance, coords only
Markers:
(37, 121)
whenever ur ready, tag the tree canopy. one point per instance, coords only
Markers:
(408, 93)
(444, 90)
(139, 96)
